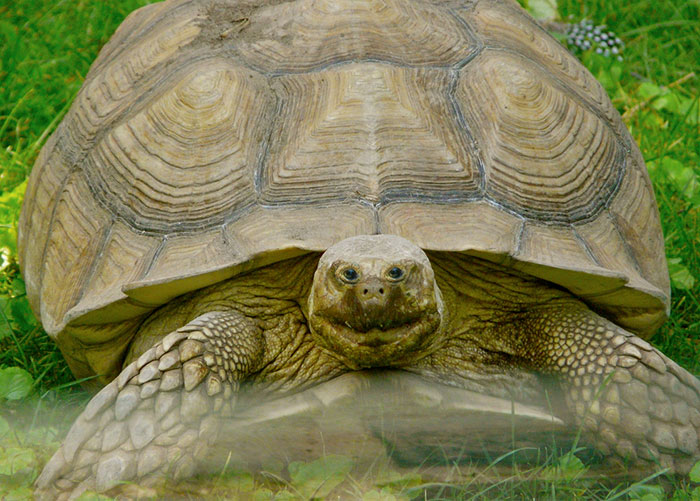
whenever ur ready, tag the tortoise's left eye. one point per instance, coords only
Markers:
(395, 273)
(350, 275)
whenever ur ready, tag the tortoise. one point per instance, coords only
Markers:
(278, 193)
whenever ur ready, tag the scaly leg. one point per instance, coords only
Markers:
(634, 402)
(159, 416)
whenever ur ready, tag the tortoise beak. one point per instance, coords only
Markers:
(374, 304)
(371, 300)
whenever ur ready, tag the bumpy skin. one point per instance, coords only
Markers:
(159, 416)
(162, 412)
(633, 400)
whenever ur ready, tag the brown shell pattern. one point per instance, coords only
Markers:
(214, 136)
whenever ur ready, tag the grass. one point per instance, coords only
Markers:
(44, 57)
(46, 49)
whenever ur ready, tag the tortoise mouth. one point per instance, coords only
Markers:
(376, 347)
(377, 336)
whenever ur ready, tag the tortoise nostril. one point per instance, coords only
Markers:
(365, 291)
(381, 291)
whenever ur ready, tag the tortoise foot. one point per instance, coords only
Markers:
(639, 406)
(159, 416)
(649, 409)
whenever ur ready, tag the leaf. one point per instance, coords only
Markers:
(18, 288)
(383, 495)
(570, 464)
(263, 494)
(5, 327)
(4, 427)
(19, 494)
(287, 496)
(644, 492)
(393, 478)
(42, 436)
(695, 473)
(669, 101)
(10, 205)
(663, 98)
(545, 10)
(607, 71)
(23, 318)
(15, 383)
(16, 459)
(690, 109)
(92, 496)
(682, 177)
(318, 478)
(240, 481)
(681, 277)
(15, 311)
(648, 90)
(568, 467)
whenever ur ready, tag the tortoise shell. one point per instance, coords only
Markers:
(212, 137)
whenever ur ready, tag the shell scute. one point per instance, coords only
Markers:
(480, 226)
(546, 157)
(320, 33)
(636, 217)
(370, 131)
(124, 257)
(39, 200)
(183, 162)
(505, 25)
(126, 70)
(73, 246)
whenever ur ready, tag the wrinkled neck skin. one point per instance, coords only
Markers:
(485, 308)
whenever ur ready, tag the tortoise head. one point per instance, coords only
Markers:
(374, 301)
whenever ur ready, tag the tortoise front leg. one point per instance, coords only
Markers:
(161, 413)
(632, 400)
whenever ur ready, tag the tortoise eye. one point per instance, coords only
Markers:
(350, 275)
(396, 273)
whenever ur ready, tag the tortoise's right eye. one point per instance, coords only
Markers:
(396, 273)
(350, 275)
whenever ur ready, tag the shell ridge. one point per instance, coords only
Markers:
(146, 95)
(50, 227)
(584, 245)
(614, 219)
(472, 33)
(104, 239)
(152, 260)
(472, 140)
(114, 52)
